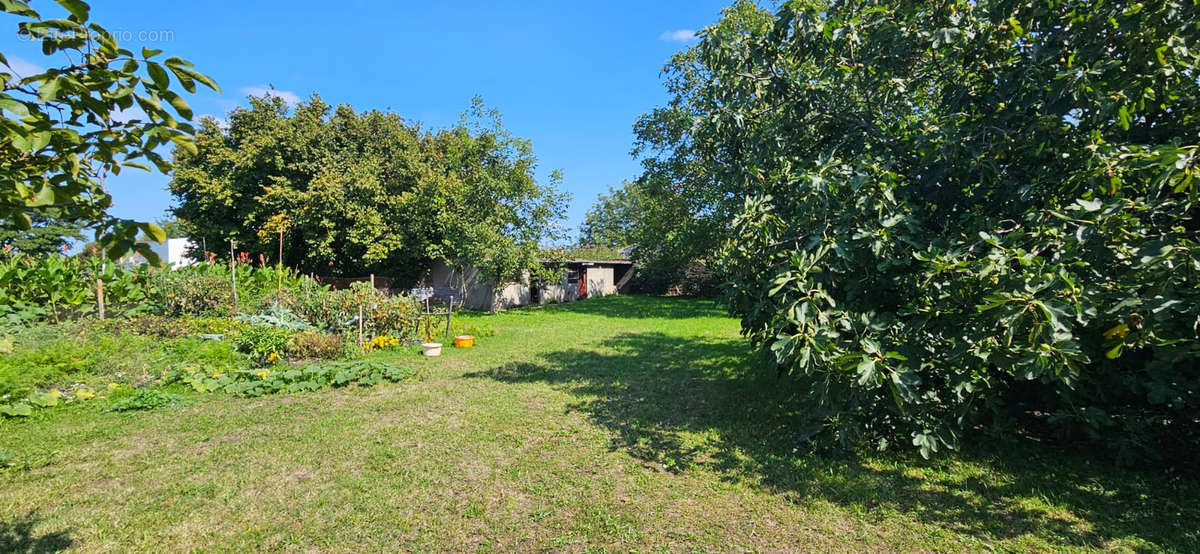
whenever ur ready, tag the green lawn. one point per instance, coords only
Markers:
(615, 424)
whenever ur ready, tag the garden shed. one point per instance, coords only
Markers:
(581, 278)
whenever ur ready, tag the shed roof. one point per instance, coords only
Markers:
(584, 261)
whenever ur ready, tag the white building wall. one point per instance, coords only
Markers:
(600, 281)
(173, 251)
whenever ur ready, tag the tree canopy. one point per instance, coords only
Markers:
(356, 193)
(612, 220)
(952, 215)
(48, 232)
(64, 130)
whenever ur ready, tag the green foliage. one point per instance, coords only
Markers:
(613, 219)
(49, 232)
(94, 354)
(358, 193)
(196, 291)
(171, 328)
(264, 344)
(62, 130)
(126, 400)
(337, 311)
(945, 218)
(276, 316)
(298, 379)
(19, 409)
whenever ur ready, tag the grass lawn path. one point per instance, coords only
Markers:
(616, 424)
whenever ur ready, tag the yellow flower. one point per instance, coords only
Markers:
(272, 357)
(218, 375)
(85, 394)
(114, 386)
(263, 374)
(55, 393)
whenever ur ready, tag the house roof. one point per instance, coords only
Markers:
(584, 261)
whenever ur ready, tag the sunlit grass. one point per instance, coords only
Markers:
(622, 424)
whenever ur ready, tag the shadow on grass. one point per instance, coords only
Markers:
(679, 404)
(18, 536)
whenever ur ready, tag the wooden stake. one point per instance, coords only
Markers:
(233, 272)
(360, 324)
(100, 297)
(279, 284)
(372, 281)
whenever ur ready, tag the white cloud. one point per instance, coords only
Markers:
(680, 35)
(20, 68)
(288, 96)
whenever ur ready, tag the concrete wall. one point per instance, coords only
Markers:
(515, 294)
(600, 282)
(477, 295)
(561, 292)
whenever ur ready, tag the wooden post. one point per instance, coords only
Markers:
(372, 281)
(279, 272)
(233, 273)
(360, 324)
(100, 297)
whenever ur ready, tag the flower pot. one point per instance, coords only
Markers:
(431, 348)
(464, 341)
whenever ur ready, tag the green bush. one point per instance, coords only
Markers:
(383, 313)
(263, 344)
(188, 291)
(980, 216)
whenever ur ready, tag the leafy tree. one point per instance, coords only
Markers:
(612, 220)
(48, 233)
(64, 130)
(357, 193)
(171, 227)
(955, 215)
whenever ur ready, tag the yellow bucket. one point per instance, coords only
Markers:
(464, 341)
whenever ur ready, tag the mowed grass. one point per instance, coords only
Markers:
(616, 424)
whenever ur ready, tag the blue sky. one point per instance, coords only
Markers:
(571, 77)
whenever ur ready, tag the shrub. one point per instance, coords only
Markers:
(980, 216)
(188, 291)
(383, 314)
(263, 344)
(313, 345)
